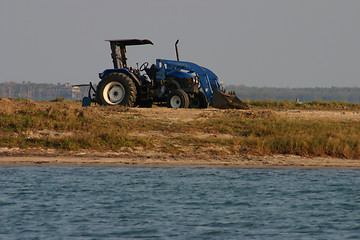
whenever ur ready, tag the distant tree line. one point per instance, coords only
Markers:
(350, 95)
(44, 91)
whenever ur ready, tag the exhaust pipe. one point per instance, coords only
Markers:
(176, 49)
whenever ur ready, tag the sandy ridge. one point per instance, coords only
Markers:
(11, 157)
(17, 156)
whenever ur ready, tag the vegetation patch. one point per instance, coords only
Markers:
(316, 105)
(67, 126)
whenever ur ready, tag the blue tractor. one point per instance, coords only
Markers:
(176, 84)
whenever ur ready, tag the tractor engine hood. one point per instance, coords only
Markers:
(179, 74)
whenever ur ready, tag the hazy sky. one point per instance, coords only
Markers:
(275, 43)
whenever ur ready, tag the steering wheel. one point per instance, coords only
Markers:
(143, 66)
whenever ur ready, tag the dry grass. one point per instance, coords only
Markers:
(67, 126)
(317, 105)
(28, 124)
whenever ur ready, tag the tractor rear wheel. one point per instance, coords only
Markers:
(116, 89)
(198, 100)
(178, 99)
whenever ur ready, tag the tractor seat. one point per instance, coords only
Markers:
(151, 72)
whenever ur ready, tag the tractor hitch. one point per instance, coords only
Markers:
(86, 101)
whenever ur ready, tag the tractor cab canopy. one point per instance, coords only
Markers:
(130, 42)
(118, 50)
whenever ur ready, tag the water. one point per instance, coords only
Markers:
(52, 202)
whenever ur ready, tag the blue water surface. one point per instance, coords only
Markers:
(57, 202)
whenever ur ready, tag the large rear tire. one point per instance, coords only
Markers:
(178, 99)
(116, 89)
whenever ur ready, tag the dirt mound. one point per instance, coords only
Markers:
(9, 106)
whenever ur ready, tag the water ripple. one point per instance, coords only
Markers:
(178, 203)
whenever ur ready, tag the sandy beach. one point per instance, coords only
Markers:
(52, 157)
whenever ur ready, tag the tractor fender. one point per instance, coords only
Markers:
(121, 70)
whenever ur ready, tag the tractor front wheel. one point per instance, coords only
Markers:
(198, 100)
(116, 89)
(178, 99)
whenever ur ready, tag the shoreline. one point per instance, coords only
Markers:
(160, 159)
